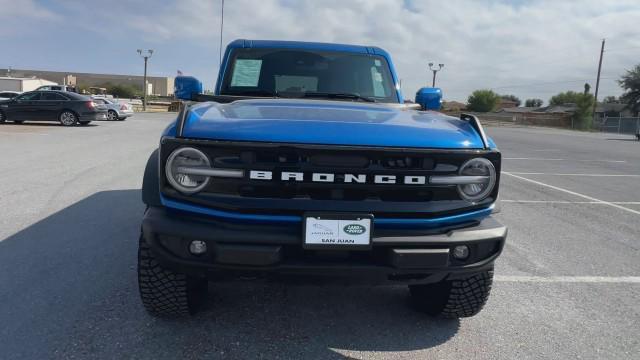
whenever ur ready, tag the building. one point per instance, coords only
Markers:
(613, 110)
(161, 86)
(22, 84)
(453, 106)
(506, 104)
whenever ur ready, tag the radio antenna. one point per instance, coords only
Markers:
(221, 27)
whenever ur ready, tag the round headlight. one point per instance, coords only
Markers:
(177, 170)
(477, 167)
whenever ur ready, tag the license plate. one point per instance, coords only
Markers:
(337, 231)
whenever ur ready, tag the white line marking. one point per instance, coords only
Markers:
(574, 193)
(560, 174)
(569, 279)
(553, 159)
(569, 202)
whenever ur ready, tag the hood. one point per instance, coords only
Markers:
(328, 122)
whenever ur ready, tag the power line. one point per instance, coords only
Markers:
(622, 49)
(546, 83)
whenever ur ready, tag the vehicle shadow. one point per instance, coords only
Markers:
(68, 289)
(624, 139)
(45, 123)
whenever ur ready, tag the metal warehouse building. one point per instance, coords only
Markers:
(22, 84)
(161, 86)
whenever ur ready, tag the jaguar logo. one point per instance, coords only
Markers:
(354, 229)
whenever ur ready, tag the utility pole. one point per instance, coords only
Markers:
(598, 80)
(145, 54)
(435, 70)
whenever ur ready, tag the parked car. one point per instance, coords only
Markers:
(324, 172)
(66, 107)
(6, 95)
(57, 88)
(115, 110)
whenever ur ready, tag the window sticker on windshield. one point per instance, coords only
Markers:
(246, 72)
(377, 62)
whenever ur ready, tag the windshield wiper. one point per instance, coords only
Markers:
(338, 96)
(254, 92)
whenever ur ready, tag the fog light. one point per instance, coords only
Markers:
(461, 252)
(198, 247)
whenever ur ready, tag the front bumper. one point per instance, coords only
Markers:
(397, 255)
(125, 113)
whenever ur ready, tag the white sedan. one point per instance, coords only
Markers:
(116, 110)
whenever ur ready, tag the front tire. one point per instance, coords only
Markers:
(163, 291)
(68, 118)
(112, 115)
(454, 298)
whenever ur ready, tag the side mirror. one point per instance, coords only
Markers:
(429, 98)
(185, 87)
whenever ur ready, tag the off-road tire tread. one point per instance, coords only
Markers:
(468, 296)
(163, 292)
(455, 298)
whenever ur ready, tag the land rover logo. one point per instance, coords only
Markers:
(354, 229)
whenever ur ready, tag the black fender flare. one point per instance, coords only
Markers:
(151, 181)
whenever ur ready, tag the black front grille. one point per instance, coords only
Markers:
(291, 196)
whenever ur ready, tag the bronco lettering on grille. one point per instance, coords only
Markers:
(332, 178)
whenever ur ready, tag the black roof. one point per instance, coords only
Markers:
(68, 94)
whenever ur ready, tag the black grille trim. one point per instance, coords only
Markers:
(276, 197)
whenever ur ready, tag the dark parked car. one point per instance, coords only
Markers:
(66, 107)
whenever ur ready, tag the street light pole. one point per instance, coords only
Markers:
(435, 70)
(145, 54)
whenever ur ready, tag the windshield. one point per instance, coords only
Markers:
(307, 73)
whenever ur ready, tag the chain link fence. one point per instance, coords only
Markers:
(618, 125)
(559, 120)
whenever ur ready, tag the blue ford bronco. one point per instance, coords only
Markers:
(307, 163)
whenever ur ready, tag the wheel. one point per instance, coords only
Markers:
(454, 298)
(84, 123)
(112, 115)
(165, 292)
(68, 118)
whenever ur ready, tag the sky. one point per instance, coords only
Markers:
(532, 49)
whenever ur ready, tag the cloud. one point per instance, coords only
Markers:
(15, 16)
(529, 48)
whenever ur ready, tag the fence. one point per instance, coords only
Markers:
(560, 120)
(619, 125)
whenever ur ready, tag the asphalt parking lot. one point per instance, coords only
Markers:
(567, 285)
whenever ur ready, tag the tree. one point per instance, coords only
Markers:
(123, 91)
(511, 98)
(582, 117)
(483, 101)
(630, 82)
(533, 103)
(610, 100)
